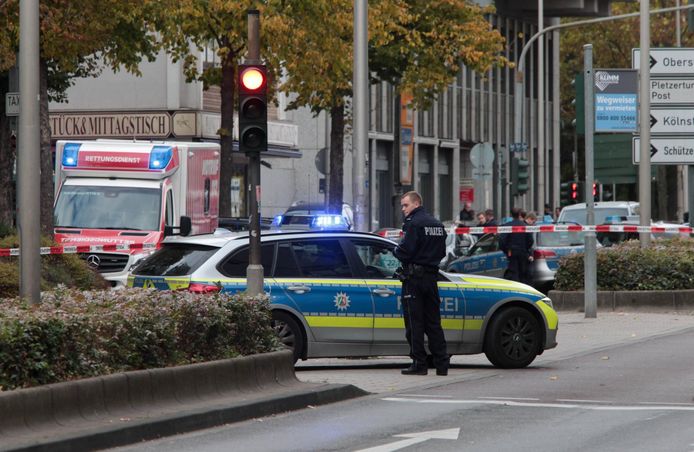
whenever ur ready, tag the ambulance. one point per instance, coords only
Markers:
(133, 194)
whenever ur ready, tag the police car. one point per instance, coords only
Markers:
(333, 294)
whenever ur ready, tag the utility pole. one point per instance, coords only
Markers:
(28, 154)
(360, 141)
(590, 261)
(644, 124)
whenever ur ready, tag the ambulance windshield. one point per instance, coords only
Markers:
(101, 207)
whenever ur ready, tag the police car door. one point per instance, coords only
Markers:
(317, 277)
(485, 258)
(379, 264)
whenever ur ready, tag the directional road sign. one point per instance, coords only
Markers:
(673, 120)
(666, 150)
(667, 61)
(672, 91)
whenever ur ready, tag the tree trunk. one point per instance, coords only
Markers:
(46, 153)
(337, 133)
(226, 134)
(7, 158)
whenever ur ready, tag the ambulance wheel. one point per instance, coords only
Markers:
(291, 335)
(512, 340)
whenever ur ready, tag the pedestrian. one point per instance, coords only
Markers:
(518, 250)
(557, 211)
(481, 219)
(467, 215)
(530, 218)
(420, 251)
(489, 218)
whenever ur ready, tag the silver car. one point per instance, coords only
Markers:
(333, 294)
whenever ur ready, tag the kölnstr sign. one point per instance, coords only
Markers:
(616, 100)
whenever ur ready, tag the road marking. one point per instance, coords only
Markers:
(584, 401)
(426, 395)
(508, 398)
(663, 407)
(414, 438)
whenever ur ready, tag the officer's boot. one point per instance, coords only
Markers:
(416, 369)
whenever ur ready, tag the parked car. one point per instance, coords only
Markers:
(333, 294)
(576, 213)
(486, 258)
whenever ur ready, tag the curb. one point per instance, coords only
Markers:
(129, 407)
(645, 300)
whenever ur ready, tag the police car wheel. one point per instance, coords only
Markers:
(289, 332)
(513, 339)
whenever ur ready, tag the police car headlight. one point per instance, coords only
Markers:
(548, 302)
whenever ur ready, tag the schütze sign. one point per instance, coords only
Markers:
(667, 150)
(667, 60)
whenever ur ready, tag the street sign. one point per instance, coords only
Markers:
(672, 120)
(518, 147)
(616, 100)
(667, 60)
(12, 104)
(666, 150)
(482, 157)
(672, 91)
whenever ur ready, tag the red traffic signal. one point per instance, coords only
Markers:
(574, 191)
(252, 78)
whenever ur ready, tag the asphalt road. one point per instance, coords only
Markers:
(635, 397)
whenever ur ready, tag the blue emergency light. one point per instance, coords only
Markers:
(160, 157)
(329, 222)
(70, 153)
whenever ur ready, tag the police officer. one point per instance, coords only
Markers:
(420, 251)
(518, 250)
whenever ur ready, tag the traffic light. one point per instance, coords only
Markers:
(519, 176)
(595, 192)
(565, 193)
(523, 175)
(575, 192)
(252, 108)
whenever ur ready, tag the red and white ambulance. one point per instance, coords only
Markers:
(133, 194)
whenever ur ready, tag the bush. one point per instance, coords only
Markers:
(666, 265)
(65, 269)
(74, 334)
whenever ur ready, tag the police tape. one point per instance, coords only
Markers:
(684, 230)
(86, 249)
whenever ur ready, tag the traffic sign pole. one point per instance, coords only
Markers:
(590, 261)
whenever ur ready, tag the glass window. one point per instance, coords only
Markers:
(236, 265)
(206, 208)
(108, 207)
(321, 259)
(286, 266)
(562, 238)
(486, 244)
(175, 260)
(169, 215)
(377, 257)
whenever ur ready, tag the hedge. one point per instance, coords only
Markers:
(74, 334)
(65, 269)
(666, 265)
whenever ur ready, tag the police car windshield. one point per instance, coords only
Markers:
(95, 207)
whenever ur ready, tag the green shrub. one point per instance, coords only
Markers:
(65, 269)
(74, 334)
(666, 265)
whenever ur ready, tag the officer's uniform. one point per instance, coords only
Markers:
(420, 251)
(517, 248)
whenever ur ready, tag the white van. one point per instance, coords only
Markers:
(576, 213)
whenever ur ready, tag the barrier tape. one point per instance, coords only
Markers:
(75, 249)
(684, 230)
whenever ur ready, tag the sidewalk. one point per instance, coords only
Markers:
(577, 335)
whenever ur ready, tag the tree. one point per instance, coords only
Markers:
(416, 46)
(612, 43)
(77, 39)
(190, 26)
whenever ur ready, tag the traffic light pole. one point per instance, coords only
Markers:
(254, 272)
